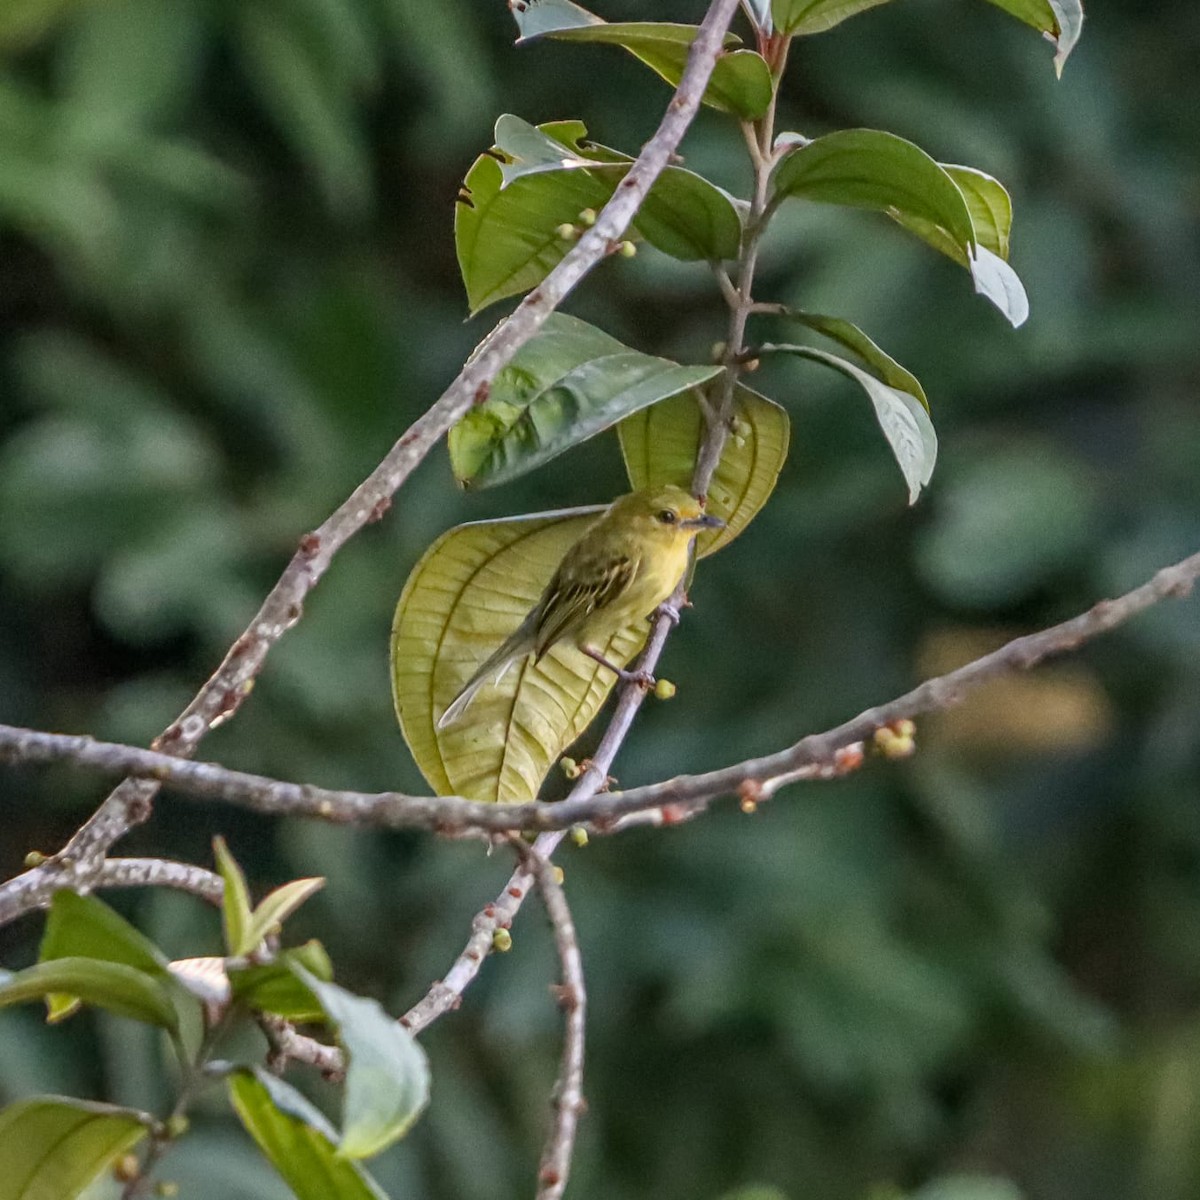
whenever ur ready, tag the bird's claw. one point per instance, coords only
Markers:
(668, 610)
(642, 679)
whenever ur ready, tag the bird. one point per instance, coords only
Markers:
(623, 567)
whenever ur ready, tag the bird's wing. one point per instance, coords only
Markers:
(580, 586)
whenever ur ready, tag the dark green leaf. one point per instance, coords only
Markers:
(298, 1141)
(684, 215)
(867, 168)
(236, 914)
(991, 216)
(740, 82)
(119, 988)
(853, 338)
(565, 385)
(507, 226)
(901, 415)
(959, 211)
(1060, 20)
(275, 988)
(52, 1147)
(387, 1074)
(84, 927)
(507, 238)
(815, 16)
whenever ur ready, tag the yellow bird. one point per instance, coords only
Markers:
(626, 563)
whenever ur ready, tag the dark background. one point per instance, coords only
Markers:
(227, 284)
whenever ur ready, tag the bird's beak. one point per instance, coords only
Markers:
(703, 522)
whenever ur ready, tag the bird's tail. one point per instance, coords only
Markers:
(493, 669)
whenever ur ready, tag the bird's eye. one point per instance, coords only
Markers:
(668, 516)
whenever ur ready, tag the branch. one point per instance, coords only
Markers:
(220, 697)
(569, 1104)
(454, 816)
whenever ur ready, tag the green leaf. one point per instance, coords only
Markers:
(507, 238)
(566, 384)
(387, 1075)
(297, 1140)
(854, 339)
(959, 211)
(53, 1147)
(867, 168)
(815, 16)
(119, 988)
(901, 415)
(684, 215)
(991, 216)
(740, 82)
(236, 915)
(275, 987)
(1060, 20)
(660, 445)
(278, 905)
(508, 219)
(989, 204)
(465, 595)
(84, 927)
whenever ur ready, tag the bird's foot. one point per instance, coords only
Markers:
(668, 610)
(642, 679)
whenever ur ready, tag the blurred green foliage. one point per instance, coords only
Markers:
(229, 284)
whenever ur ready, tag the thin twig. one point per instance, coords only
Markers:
(453, 815)
(569, 1104)
(220, 697)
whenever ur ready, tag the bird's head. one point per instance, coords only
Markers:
(665, 513)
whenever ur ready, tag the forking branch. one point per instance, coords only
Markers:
(602, 812)
(221, 696)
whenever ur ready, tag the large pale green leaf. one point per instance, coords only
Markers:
(297, 1140)
(536, 179)
(660, 446)
(469, 592)
(52, 1147)
(901, 415)
(387, 1076)
(740, 81)
(815, 16)
(84, 927)
(1060, 20)
(114, 986)
(565, 385)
